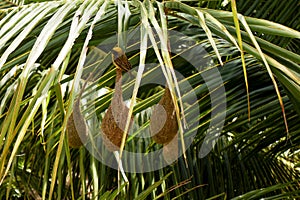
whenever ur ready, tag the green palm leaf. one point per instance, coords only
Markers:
(43, 48)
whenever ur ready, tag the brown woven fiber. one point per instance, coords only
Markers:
(170, 150)
(76, 126)
(114, 121)
(163, 121)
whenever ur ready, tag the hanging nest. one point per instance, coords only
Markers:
(163, 121)
(77, 130)
(113, 126)
(170, 150)
(76, 127)
(114, 121)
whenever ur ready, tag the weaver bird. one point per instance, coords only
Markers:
(120, 60)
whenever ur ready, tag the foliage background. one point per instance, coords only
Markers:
(40, 48)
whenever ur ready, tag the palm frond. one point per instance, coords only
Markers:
(42, 64)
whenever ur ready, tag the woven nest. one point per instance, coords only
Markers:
(76, 126)
(163, 121)
(115, 119)
(113, 126)
(170, 151)
(76, 130)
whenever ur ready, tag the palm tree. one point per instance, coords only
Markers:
(253, 48)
